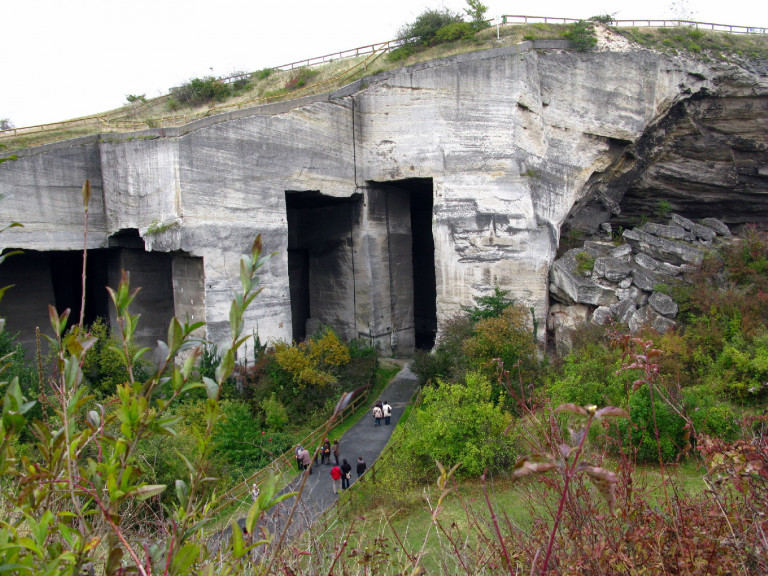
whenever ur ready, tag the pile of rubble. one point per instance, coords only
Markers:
(601, 282)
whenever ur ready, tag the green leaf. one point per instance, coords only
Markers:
(86, 192)
(211, 388)
(238, 546)
(185, 558)
(147, 491)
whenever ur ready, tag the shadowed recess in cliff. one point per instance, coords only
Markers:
(167, 281)
(320, 261)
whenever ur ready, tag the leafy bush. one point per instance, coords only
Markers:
(264, 73)
(200, 91)
(423, 31)
(508, 337)
(300, 78)
(103, 367)
(457, 423)
(454, 31)
(131, 98)
(241, 443)
(671, 428)
(275, 414)
(606, 19)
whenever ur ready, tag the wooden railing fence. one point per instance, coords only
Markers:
(374, 51)
(285, 464)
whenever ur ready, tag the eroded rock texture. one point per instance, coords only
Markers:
(399, 199)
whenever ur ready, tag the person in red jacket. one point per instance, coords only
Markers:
(336, 475)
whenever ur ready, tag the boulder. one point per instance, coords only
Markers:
(663, 304)
(564, 322)
(664, 249)
(646, 316)
(623, 310)
(622, 252)
(665, 231)
(704, 233)
(717, 226)
(572, 287)
(612, 269)
(633, 293)
(602, 316)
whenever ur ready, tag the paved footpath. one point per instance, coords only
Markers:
(363, 439)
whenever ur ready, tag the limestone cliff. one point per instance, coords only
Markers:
(395, 201)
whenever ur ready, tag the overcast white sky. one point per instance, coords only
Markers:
(68, 58)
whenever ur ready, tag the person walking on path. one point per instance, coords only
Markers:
(325, 456)
(299, 450)
(360, 466)
(306, 460)
(387, 412)
(377, 413)
(335, 451)
(346, 471)
(336, 476)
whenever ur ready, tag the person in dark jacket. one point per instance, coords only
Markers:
(346, 470)
(360, 466)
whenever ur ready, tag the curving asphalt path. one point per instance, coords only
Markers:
(363, 439)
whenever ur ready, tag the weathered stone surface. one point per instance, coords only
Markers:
(564, 321)
(646, 316)
(623, 310)
(602, 315)
(576, 287)
(663, 249)
(702, 232)
(717, 226)
(664, 231)
(622, 252)
(612, 269)
(663, 304)
(633, 293)
(647, 262)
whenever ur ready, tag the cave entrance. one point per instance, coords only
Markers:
(406, 206)
(171, 284)
(423, 251)
(321, 264)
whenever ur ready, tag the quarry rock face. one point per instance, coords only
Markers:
(394, 202)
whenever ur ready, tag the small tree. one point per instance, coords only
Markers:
(582, 34)
(423, 30)
(476, 11)
(6, 124)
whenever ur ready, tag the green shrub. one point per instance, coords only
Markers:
(458, 423)
(454, 31)
(200, 91)
(245, 445)
(131, 98)
(401, 53)
(300, 78)
(671, 427)
(275, 414)
(590, 375)
(103, 368)
(606, 19)
(423, 31)
(264, 73)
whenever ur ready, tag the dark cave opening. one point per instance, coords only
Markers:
(423, 249)
(320, 261)
(54, 278)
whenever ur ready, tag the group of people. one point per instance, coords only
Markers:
(382, 411)
(340, 473)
